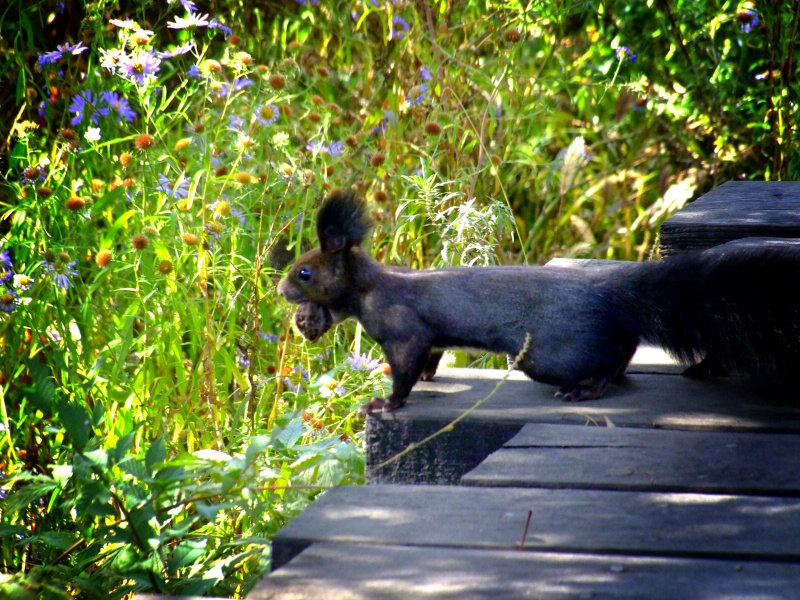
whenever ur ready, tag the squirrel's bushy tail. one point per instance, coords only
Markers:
(737, 305)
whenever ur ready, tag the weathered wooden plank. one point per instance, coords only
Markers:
(639, 400)
(361, 572)
(734, 210)
(582, 521)
(566, 456)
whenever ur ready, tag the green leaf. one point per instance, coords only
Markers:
(123, 447)
(257, 445)
(291, 433)
(43, 391)
(186, 553)
(6, 531)
(156, 454)
(75, 421)
(59, 540)
(97, 457)
(133, 466)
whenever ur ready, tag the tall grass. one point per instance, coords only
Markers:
(160, 420)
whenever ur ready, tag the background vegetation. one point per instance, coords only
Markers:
(159, 419)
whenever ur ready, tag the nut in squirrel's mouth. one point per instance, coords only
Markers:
(312, 320)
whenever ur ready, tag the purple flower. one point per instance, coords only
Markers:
(60, 272)
(214, 24)
(111, 59)
(9, 300)
(195, 73)
(361, 362)
(177, 190)
(748, 18)
(418, 99)
(192, 20)
(74, 50)
(33, 175)
(425, 73)
(235, 123)
(179, 51)
(400, 27)
(625, 53)
(139, 68)
(85, 103)
(119, 105)
(50, 58)
(211, 231)
(267, 114)
(334, 148)
(767, 75)
(269, 337)
(188, 5)
(5, 259)
(6, 275)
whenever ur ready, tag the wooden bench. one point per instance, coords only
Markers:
(666, 487)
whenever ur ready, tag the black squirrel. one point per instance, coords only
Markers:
(733, 308)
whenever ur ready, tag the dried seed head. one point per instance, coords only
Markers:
(277, 81)
(125, 159)
(223, 208)
(211, 65)
(380, 196)
(165, 267)
(377, 160)
(140, 241)
(145, 141)
(190, 239)
(513, 35)
(44, 192)
(103, 258)
(75, 203)
(244, 178)
(433, 128)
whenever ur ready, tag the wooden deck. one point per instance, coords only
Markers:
(666, 488)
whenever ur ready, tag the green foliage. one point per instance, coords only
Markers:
(159, 420)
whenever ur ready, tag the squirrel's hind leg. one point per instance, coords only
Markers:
(430, 367)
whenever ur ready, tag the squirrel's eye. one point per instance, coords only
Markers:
(304, 274)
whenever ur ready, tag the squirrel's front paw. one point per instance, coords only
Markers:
(377, 405)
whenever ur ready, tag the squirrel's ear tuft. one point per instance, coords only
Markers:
(342, 222)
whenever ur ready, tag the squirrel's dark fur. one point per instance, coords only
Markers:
(734, 307)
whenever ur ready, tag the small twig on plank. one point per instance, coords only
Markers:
(525, 533)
